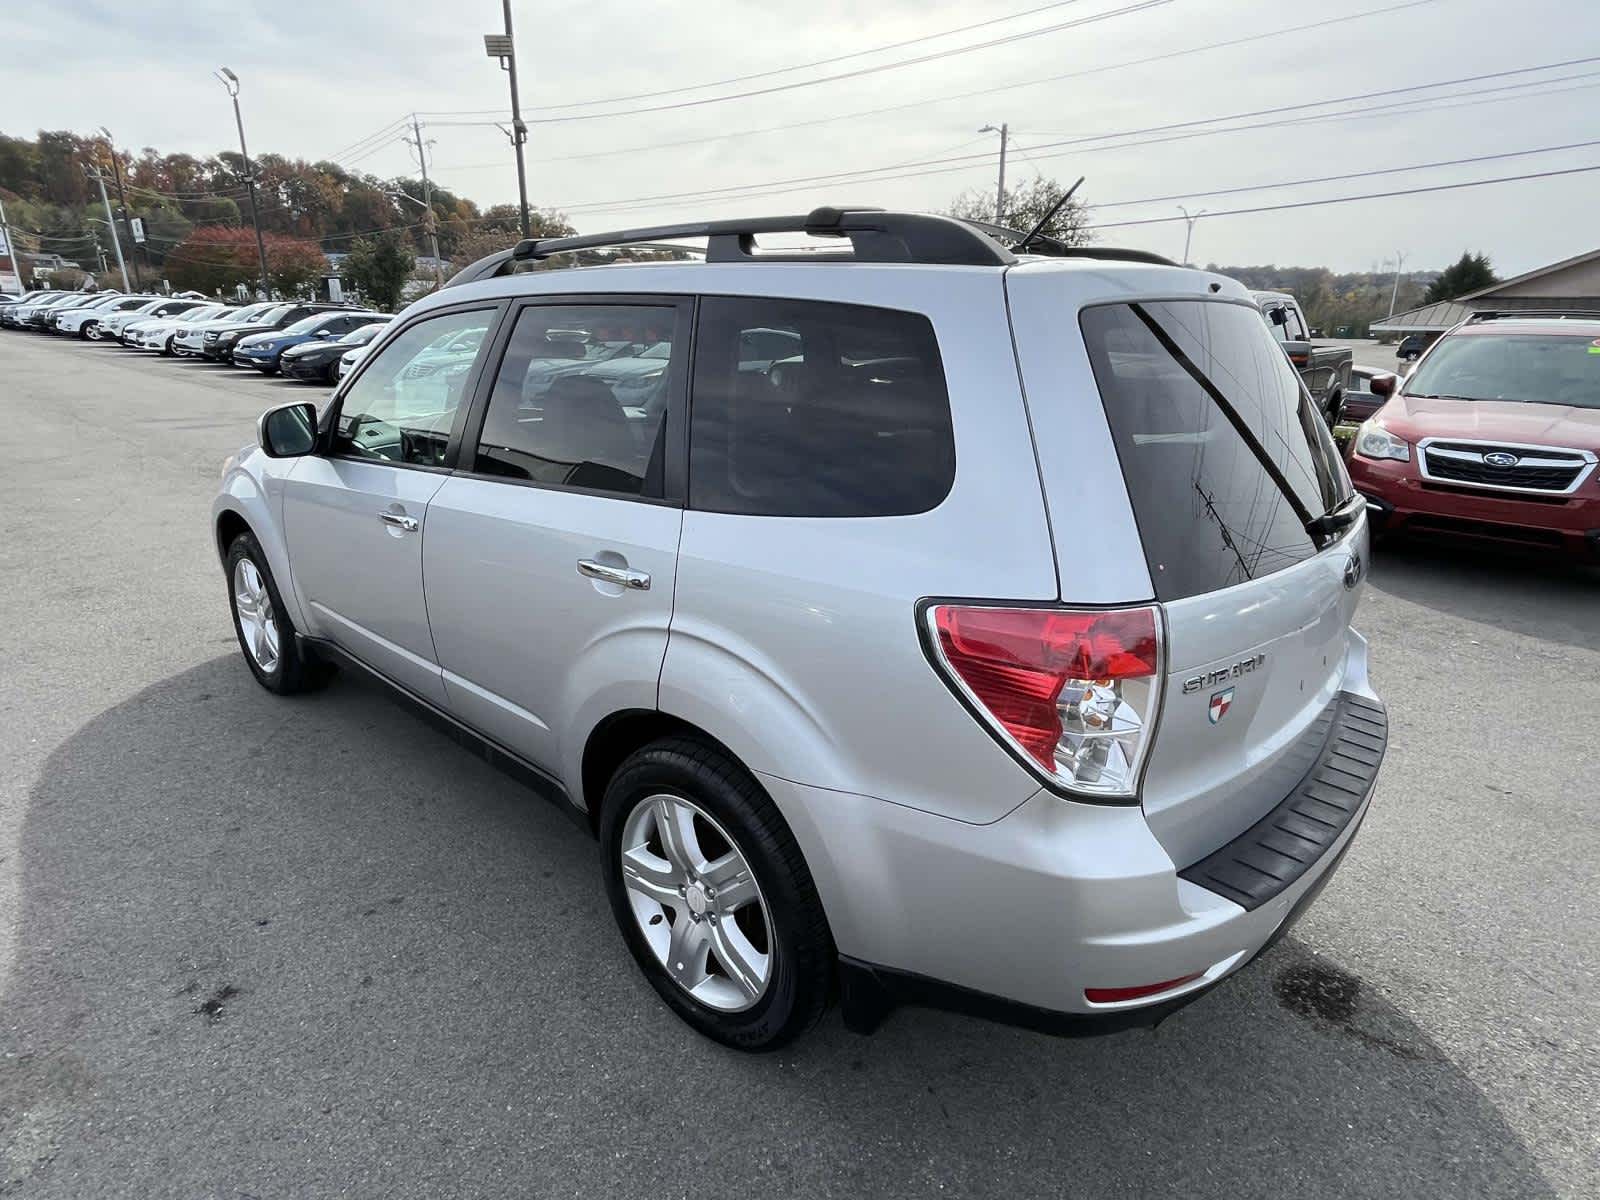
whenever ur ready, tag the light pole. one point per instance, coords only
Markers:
(111, 220)
(231, 82)
(503, 47)
(1394, 292)
(122, 202)
(1189, 220)
(1004, 130)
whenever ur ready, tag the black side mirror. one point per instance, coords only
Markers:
(1383, 383)
(1278, 315)
(288, 431)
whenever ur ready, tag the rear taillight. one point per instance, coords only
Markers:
(1075, 693)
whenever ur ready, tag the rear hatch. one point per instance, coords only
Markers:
(1254, 547)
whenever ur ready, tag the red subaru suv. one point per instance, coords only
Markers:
(1494, 436)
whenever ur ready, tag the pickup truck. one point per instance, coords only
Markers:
(1325, 368)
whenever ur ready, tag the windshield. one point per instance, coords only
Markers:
(250, 312)
(363, 335)
(1528, 368)
(204, 312)
(270, 315)
(308, 324)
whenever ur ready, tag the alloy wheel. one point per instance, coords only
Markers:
(697, 903)
(257, 623)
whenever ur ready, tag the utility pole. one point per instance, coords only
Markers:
(116, 241)
(1004, 131)
(1189, 220)
(1394, 292)
(503, 47)
(14, 254)
(231, 82)
(429, 222)
(122, 203)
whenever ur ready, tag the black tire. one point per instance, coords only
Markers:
(295, 671)
(801, 950)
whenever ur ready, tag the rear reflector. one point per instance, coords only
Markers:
(1074, 692)
(1113, 995)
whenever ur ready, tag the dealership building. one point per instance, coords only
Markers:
(1573, 283)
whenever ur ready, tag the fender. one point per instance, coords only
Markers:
(252, 490)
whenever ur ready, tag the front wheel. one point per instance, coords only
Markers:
(91, 331)
(713, 896)
(265, 634)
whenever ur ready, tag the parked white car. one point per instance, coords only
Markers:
(85, 322)
(360, 341)
(157, 335)
(190, 338)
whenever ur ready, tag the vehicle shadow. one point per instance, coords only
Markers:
(1540, 596)
(307, 947)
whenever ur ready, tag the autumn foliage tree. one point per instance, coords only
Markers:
(215, 258)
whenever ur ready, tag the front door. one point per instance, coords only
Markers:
(354, 517)
(551, 552)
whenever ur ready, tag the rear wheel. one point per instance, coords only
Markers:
(713, 896)
(266, 636)
(91, 331)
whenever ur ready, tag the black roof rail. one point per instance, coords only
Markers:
(1542, 314)
(1044, 244)
(875, 236)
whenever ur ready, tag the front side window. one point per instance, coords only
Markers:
(402, 406)
(1529, 368)
(1221, 489)
(809, 409)
(581, 398)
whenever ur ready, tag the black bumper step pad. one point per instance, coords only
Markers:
(1286, 843)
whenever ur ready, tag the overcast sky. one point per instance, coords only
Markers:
(318, 78)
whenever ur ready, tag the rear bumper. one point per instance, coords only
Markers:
(1017, 919)
(1400, 502)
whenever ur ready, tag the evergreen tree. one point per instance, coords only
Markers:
(1470, 273)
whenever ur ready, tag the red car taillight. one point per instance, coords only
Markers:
(1075, 692)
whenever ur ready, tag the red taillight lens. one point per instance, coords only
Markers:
(1074, 691)
(1114, 995)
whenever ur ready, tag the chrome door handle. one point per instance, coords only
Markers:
(400, 521)
(621, 576)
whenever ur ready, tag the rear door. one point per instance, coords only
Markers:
(1224, 462)
(551, 555)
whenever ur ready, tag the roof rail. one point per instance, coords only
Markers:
(1044, 244)
(1542, 314)
(875, 236)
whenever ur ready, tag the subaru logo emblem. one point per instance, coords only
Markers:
(1500, 458)
(1221, 702)
(1353, 570)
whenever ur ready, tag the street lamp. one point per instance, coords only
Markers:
(1004, 131)
(231, 81)
(501, 46)
(1189, 220)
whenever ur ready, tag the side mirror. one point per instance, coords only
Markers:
(1278, 315)
(1383, 384)
(323, 334)
(288, 431)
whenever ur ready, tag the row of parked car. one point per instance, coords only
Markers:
(301, 339)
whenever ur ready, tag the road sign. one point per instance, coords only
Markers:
(137, 225)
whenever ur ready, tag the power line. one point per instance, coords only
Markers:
(873, 112)
(821, 62)
(1126, 10)
(961, 162)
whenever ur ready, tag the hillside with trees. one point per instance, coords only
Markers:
(1340, 305)
(196, 211)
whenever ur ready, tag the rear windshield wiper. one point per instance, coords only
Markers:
(1337, 519)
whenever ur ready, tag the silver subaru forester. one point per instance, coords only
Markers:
(917, 613)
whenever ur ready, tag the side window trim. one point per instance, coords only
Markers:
(677, 466)
(470, 389)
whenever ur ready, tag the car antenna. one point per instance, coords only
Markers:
(1047, 218)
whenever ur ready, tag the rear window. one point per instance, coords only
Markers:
(810, 409)
(1531, 368)
(1210, 512)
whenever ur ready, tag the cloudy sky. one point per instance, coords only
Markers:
(1213, 104)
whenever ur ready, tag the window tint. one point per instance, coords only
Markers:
(817, 410)
(401, 407)
(1209, 512)
(581, 399)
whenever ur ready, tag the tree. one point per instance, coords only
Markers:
(1470, 273)
(294, 265)
(378, 268)
(1026, 204)
(213, 258)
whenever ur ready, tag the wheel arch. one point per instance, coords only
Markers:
(620, 734)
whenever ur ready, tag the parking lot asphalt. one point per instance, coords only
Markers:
(262, 947)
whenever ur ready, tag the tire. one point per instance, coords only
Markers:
(728, 811)
(90, 332)
(289, 669)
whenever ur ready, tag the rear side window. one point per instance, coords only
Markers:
(809, 409)
(1209, 511)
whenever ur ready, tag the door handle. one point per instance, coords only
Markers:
(399, 521)
(621, 576)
